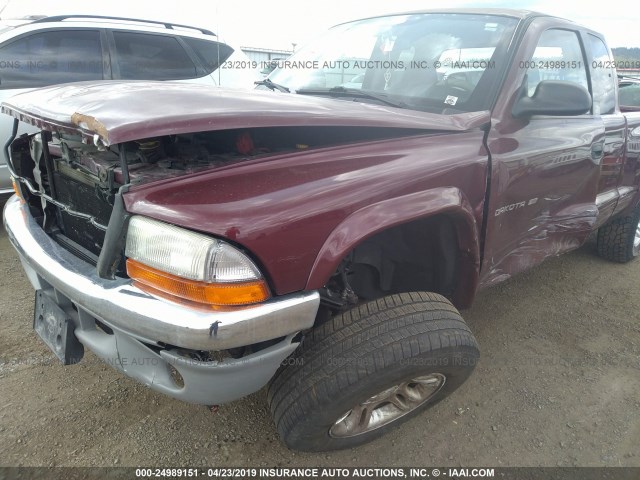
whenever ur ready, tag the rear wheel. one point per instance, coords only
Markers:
(619, 240)
(365, 371)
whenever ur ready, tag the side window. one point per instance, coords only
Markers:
(211, 54)
(603, 78)
(142, 56)
(50, 57)
(558, 56)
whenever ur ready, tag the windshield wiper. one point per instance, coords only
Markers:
(340, 91)
(273, 86)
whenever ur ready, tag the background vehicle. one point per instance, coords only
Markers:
(71, 48)
(629, 93)
(322, 240)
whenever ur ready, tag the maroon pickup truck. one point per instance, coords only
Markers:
(320, 236)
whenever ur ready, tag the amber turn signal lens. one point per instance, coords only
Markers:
(16, 189)
(213, 294)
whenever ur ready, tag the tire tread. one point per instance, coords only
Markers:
(615, 238)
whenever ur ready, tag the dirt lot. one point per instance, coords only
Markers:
(558, 384)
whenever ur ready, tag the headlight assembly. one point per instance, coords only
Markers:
(190, 266)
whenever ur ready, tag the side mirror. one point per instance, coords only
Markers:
(554, 97)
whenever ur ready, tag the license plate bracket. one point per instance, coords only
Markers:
(54, 326)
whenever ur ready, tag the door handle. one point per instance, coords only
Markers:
(597, 151)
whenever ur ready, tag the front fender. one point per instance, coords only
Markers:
(370, 220)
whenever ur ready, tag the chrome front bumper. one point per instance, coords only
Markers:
(140, 321)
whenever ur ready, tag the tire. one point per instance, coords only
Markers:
(619, 240)
(415, 343)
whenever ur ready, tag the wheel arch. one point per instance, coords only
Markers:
(447, 204)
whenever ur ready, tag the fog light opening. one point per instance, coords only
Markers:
(176, 377)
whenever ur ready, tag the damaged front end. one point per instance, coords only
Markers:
(73, 187)
(70, 230)
(71, 196)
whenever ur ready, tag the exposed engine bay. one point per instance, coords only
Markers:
(160, 158)
(73, 185)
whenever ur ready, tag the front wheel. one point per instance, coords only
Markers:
(365, 371)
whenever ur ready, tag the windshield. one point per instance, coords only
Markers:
(436, 62)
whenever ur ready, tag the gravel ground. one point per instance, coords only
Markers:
(558, 384)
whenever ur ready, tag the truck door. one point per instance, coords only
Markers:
(545, 170)
(619, 174)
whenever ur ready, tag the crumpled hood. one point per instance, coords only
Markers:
(119, 112)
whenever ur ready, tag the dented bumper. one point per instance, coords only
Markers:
(145, 330)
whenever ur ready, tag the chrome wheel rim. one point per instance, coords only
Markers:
(387, 406)
(636, 241)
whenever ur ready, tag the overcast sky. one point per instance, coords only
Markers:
(279, 23)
